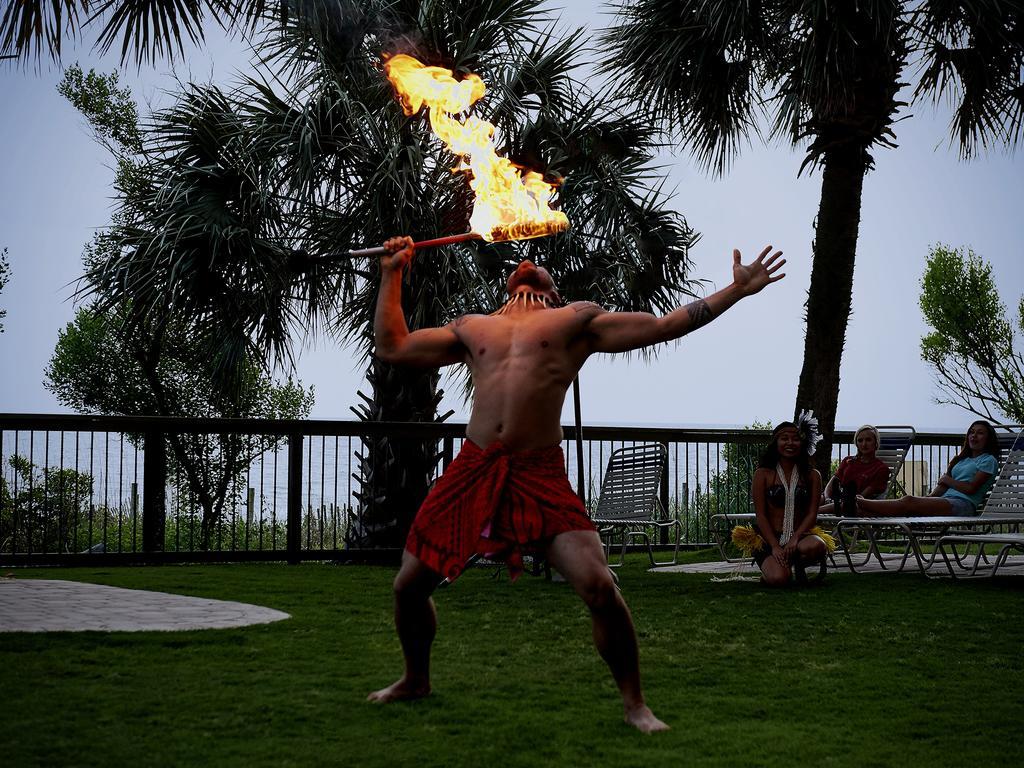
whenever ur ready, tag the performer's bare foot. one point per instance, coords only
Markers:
(402, 690)
(644, 720)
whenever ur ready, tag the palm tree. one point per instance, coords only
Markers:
(827, 76)
(313, 153)
(149, 29)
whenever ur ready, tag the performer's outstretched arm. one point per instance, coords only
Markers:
(426, 347)
(623, 331)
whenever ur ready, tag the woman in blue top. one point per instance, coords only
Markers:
(959, 492)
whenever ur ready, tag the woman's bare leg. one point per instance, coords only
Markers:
(773, 573)
(811, 548)
(908, 506)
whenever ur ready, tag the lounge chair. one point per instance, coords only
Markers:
(1002, 507)
(1007, 435)
(630, 502)
(1005, 505)
(895, 445)
(955, 561)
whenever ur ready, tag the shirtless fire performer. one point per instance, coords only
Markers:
(507, 491)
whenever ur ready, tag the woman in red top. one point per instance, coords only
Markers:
(861, 475)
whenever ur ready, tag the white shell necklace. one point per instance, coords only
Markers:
(525, 299)
(787, 520)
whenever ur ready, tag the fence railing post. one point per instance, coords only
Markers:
(154, 491)
(663, 493)
(294, 528)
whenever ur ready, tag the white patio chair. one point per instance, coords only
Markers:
(630, 502)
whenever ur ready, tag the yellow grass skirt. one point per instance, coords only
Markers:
(749, 541)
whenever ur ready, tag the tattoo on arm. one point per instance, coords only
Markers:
(459, 320)
(700, 314)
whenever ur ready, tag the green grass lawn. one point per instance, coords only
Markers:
(869, 670)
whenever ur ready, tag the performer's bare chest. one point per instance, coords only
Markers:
(529, 337)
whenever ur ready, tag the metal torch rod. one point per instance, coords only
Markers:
(380, 250)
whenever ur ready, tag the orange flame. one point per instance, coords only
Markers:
(511, 204)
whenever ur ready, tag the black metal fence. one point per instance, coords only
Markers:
(84, 489)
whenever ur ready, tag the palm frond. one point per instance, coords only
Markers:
(838, 75)
(472, 37)
(30, 27)
(204, 240)
(973, 53)
(147, 29)
(693, 68)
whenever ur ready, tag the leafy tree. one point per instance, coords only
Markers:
(825, 75)
(728, 491)
(5, 276)
(104, 364)
(43, 510)
(110, 109)
(315, 154)
(114, 359)
(972, 346)
(733, 485)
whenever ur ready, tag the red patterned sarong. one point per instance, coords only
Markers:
(497, 504)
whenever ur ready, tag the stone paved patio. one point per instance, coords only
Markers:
(46, 605)
(1014, 566)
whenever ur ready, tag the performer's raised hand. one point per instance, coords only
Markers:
(400, 251)
(751, 278)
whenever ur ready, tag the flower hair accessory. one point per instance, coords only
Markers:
(807, 428)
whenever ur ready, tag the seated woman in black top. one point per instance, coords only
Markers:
(786, 492)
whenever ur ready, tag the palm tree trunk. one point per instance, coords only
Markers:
(828, 300)
(394, 471)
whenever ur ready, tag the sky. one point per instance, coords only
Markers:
(55, 191)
